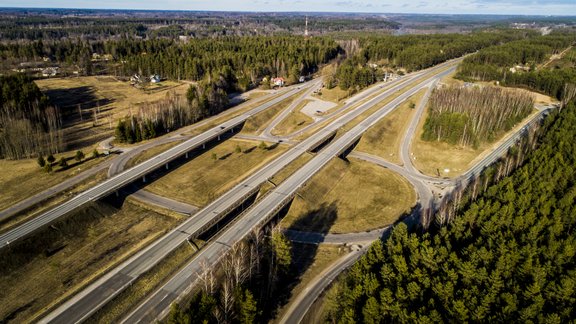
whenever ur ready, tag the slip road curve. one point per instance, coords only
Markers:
(157, 305)
(113, 165)
(118, 181)
(90, 299)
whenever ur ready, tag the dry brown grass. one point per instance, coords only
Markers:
(385, 137)
(52, 202)
(119, 306)
(287, 171)
(21, 179)
(115, 98)
(295, 121)
(96, 238)
(203, 179)
(366, 197)
(335, 94)
(258, 122)
(149, 153)
(324, 256)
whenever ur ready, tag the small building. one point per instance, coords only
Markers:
(278, 81)
(50, 72)
(135, 79)
(155, 78)
(518, 68)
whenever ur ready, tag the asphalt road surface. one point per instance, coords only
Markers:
(52, 191)
(306, 298)
(116, 165)
(120, 180)
(82, 305)
(157, 305)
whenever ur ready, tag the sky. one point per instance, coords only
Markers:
(505, 7)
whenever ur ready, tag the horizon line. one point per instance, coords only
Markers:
(296, 12)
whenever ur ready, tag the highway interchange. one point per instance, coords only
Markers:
(158, 303)
(126, 177)
(84, 304)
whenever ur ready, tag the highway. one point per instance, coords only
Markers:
(158, 304)
(423, 184)
(116, 164)
(82, 305)
(407, 139)
(52, 191)
(120, 180)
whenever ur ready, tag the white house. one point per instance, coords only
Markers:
(155, 78)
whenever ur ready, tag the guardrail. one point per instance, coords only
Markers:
(217, 218)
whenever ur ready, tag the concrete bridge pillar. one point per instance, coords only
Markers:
(166, 166)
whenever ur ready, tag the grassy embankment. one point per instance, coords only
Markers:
(213, 172)
(295, 121)
(349, 197)
(385, 137)
(53, 264)
(258, 122)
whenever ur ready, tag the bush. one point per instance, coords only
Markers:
(41, 161)
(79, 156)
(63, 163)
(47, 168)
(95, 153)
(51, 159)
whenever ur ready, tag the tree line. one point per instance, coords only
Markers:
(507, 255)
(412, 52)
(250, 58)
(469, 115)
(203, 100)
(246, 289)
(494, 64)
(28, 125)
(19, 26)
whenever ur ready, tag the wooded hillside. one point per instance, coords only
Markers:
(506, 257)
